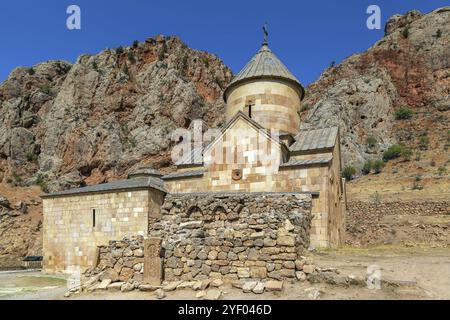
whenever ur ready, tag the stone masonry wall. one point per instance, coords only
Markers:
(233, 236)
(120, 260)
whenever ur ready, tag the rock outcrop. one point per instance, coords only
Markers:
(409, 67)
(66, 125)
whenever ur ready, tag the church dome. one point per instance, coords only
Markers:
(264, 65)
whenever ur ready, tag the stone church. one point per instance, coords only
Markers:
(258, 190)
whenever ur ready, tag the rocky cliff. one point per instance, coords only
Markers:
(63, 125)
(409, 67)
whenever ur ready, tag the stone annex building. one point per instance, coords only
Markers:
(231, 219)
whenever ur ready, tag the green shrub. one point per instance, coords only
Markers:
(17, 177)
(367, 167)
(95, 65)
(47, 89)
(305, 107)
(125, 70)
(135, 43)
(41, 182)
(403, 113)
(371, 142)
(397, 151)
(442, 170)
(438, 33)
(30, 71)
(377, 166)
(32, 157)
(348, 172)
(131, 57)
(119, 50)
(405, 32)
(423, 142)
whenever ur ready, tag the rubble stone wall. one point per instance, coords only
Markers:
(398, 208)
(121, 260)
(233, 236)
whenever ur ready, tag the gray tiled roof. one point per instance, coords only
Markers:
(136, 183)
(185, 174)
(312, 139)
(297, 162)
(264, 64)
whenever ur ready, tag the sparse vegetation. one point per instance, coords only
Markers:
(206, 62)
(332, 64)
(403, 113)
(131, 57)
(17, 177)
(442, 171)
(371, 142)
(41, 181)
(47, 89)
(133, 143)
(423, 142)
(416, 184)
(32, 157)
(119, 50)
(305, 107)
(376, 198)
(125, 70)
(95, 65)
(367, 167)
(405, 32)
(30, 71)
(135, 44)
(162, 52)
(438, 33)
(348, 172)
(397, 151)
(377, 166)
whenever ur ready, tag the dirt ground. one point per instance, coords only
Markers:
(406, 273)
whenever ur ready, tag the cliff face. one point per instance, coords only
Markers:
(409, 67)
(63, 125)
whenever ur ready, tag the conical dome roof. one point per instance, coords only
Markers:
(264, 64)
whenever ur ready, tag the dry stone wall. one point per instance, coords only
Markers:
(398, 208)
(120, 261)
(233, 236)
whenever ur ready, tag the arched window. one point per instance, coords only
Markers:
(195, 212)
(220, 213)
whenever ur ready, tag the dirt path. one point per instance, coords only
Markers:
(428, 267)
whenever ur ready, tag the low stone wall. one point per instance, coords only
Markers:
(398, 208)
(233, 236)
(121, 261)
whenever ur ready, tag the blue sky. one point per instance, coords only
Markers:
(306, 35)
